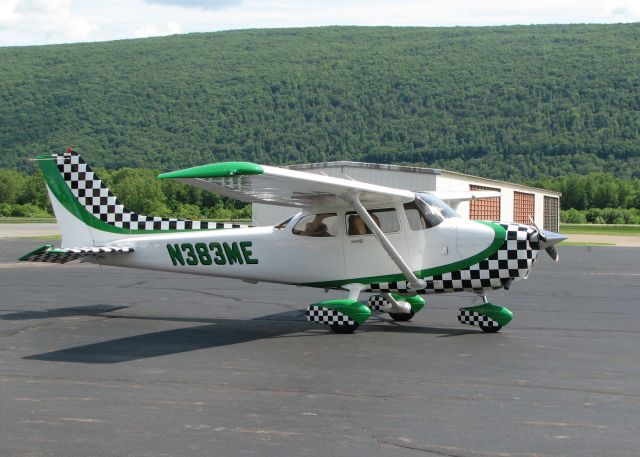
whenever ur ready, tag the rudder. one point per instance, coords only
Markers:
(89, 214)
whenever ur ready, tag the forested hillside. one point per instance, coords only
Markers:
(504, 102)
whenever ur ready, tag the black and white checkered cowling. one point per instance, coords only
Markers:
(513, 260)
(327, 316)
(96, 198)
(472, 318)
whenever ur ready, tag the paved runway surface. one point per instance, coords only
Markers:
(97, 361)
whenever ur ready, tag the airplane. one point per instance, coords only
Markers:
(347, 235)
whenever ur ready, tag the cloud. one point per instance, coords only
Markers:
(203, 4)
(27, 22)
(8, 15)
(52, 21)
(149, 30)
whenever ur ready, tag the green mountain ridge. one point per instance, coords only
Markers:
(517, 102)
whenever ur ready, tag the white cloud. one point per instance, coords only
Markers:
(149, 30)
(8, 14)
(42, 21)
(24, 22)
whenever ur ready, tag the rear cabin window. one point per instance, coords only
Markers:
(317, 225)
(387, 220)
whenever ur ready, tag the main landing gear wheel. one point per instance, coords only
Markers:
(491, 329)
(344, 329)
(402, 317)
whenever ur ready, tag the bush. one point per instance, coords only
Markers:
(28, 210)
(573, 216)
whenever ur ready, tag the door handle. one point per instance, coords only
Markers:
(357, 241)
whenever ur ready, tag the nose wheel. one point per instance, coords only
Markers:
(487, 329)
(344, 329)
(489, 317)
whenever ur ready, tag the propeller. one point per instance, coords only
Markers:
(548, 240)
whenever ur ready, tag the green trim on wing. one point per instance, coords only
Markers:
(63, 194)
(498, 240)
(215, 170)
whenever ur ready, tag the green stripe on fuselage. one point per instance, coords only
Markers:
(498, 240)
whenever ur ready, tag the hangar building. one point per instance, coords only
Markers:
(515, 204)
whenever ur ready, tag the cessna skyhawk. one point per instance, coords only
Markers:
(348, 236)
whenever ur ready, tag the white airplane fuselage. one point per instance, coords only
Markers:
(278, 255)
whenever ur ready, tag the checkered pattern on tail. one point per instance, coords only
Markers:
(512, 260)
(96, 198)
(472, 318)
(49, 255)
(377, 303)
(327, 316)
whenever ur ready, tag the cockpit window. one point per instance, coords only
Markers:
(416, 220)
(386, 219)
(427, 211)
(317, 225)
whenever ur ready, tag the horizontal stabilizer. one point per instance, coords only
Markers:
(49, 254)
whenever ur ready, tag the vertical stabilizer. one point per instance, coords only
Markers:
(90, 215)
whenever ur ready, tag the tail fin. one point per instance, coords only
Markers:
(88, 214)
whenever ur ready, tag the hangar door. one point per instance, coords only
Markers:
(524, 205)
(551, 210)
(484, 209)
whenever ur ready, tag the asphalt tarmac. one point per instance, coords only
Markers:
(98, 361)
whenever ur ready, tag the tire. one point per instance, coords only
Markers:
(490, 329)
(344, 329)
(402, 317)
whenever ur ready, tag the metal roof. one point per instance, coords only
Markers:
(409, 169)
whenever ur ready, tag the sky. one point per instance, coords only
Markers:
(35, 22)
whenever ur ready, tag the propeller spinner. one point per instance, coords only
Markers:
(548, 239)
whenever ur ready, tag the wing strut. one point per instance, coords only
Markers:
(414, 282)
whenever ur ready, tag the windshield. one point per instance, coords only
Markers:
(433, 209)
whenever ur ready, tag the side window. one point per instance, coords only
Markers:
(387, 220)
(317, 225)
(415, 217)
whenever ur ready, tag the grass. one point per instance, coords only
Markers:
(597, 229)
(28, 220)
(40, 237)
(585, 243)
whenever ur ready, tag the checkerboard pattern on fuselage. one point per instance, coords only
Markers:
(327, 316)
(472, 318)
(96, 198)
(511, 261)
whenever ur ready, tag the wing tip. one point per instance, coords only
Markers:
(215, 170)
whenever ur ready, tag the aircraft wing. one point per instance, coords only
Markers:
(250, 182)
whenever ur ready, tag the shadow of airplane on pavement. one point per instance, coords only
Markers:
(215, 332)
